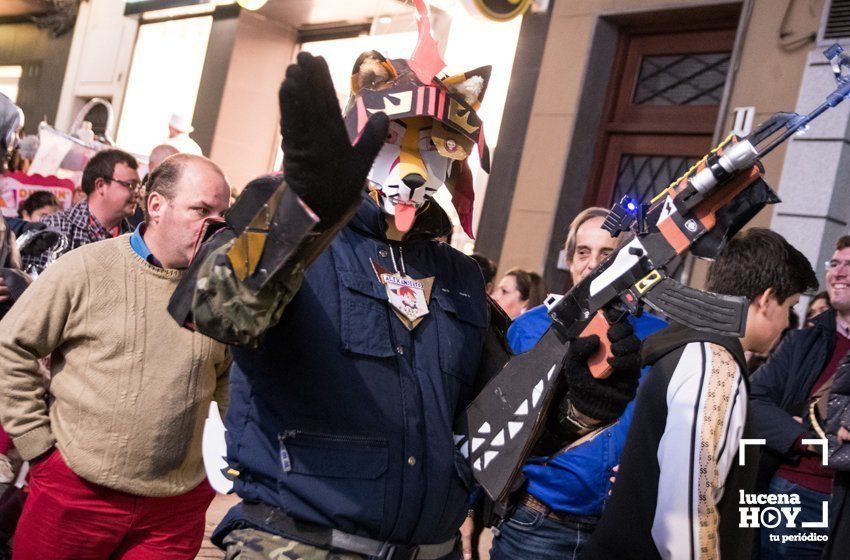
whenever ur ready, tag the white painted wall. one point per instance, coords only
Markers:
(99, 61)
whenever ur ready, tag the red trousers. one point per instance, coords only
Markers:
(5, 441)
(66, 517)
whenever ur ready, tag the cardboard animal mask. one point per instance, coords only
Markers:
(433, 130)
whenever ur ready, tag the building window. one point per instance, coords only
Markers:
(686, 79)
(164, 79)
(661, 111)
(642, 177)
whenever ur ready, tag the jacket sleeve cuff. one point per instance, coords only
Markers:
(34, 442)
(795, 446)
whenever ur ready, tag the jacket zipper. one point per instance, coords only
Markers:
(286, 461)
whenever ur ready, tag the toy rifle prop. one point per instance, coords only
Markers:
(697, 213)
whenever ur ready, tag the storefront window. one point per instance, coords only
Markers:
(164, 78)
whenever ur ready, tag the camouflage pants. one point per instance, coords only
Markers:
(253, 544)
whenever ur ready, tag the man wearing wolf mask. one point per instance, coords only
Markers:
(358, 338)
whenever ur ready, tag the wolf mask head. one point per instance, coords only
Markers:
(433, 130)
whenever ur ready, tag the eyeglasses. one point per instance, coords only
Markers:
(832, 264)
(134, 186)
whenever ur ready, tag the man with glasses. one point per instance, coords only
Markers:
(112, 187)
(799, 372)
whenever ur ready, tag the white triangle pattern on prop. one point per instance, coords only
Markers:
(551, 373)
(464, 450)
(485, 428)
(458, 438)
(536, 393)
(489, 456)
(476, 443)
(522, 410)
(499, 440)
(479, 464)
(513, 428)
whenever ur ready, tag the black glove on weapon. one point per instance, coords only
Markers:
(320, 164)
(603, 400)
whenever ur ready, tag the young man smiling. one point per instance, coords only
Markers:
(799, 371)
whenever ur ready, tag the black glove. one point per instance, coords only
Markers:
(603, 400)
(319, 162)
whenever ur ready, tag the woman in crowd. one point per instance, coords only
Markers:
(818, 305)
(518, 291)
(38, 205)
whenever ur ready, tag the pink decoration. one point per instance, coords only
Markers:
(41, 180)
(420, 99)
(425, 60)
(362, 116)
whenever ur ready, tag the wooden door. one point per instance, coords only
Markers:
(661, 111)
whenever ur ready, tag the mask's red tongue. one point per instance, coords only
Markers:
(404, 216)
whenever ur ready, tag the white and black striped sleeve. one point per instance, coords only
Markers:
(706, 409)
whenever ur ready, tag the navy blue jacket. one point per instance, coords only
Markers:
(780, 388)
(343, 417)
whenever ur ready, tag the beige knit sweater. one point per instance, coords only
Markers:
(131, 388)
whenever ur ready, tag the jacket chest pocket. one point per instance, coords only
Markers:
(364, 326)
(340, 476)
(460, 325)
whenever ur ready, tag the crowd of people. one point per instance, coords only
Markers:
(342, 340)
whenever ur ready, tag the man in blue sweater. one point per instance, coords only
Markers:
(566, 492)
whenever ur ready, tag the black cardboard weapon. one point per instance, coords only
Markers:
(697, 213)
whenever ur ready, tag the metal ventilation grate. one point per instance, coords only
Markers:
(837, 25)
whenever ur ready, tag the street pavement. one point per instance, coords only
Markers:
(215, 513)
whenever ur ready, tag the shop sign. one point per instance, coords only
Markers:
(15, 187)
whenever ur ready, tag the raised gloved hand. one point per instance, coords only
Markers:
(601, 400)
(320, 164)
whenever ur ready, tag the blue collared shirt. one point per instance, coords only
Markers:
(137, 242)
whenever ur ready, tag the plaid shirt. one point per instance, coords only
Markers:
(79, 225)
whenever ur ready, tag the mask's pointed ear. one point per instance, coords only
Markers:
(371, 69)
(470, 85)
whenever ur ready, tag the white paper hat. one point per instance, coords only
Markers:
(181, 123)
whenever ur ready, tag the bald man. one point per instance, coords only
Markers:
(158, 155)
(118, 451)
